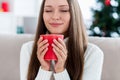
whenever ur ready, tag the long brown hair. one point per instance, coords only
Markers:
(77, 43)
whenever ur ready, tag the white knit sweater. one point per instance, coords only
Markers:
(92, 67)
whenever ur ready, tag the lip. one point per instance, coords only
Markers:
(55, 24)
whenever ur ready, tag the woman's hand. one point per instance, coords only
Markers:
(42, 47)
(60, 50)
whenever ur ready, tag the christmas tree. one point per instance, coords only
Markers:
(106, 18)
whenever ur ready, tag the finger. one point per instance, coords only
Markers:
(40, 49)
(43, 53)
(56, 48)
(42, 43)
(58, 51)
(62, 42)
(41, 56)
(39, 40)
(58, 44)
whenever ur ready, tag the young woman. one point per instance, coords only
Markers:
(77, 59)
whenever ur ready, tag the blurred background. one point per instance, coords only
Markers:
(18, 22)
(101, 17)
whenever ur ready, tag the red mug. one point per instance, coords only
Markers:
(50, 55)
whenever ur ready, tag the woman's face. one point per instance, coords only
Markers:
(56, 16)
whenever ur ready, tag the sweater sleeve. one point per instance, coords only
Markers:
(43, 75)
(62, 75)
(24, 62)
(93, 64)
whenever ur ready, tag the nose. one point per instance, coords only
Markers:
(56, 15)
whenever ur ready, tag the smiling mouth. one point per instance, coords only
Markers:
(55, 24)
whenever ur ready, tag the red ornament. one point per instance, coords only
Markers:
(107, 2)
(5, 6)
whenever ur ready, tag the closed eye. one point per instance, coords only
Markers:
(64, 10)
(48, 10)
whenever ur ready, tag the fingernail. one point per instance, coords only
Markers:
(41, 37)
(59, 38)
(52, 44)
(46, 40)
(47, 44)
(54, 40)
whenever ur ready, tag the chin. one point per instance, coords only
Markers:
(54, 32)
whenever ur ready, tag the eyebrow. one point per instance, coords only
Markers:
(59, 6)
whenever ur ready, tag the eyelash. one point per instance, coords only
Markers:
(60, 11)
(48, 11)
(64, 10)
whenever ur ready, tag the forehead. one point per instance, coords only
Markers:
(55, 2)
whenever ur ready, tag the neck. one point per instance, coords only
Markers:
(65, 34)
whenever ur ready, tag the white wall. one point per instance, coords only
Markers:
(30, 25)
(86, 6)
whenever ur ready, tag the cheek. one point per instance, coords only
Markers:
(67, 19)
(45, 18)
(67, 22)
